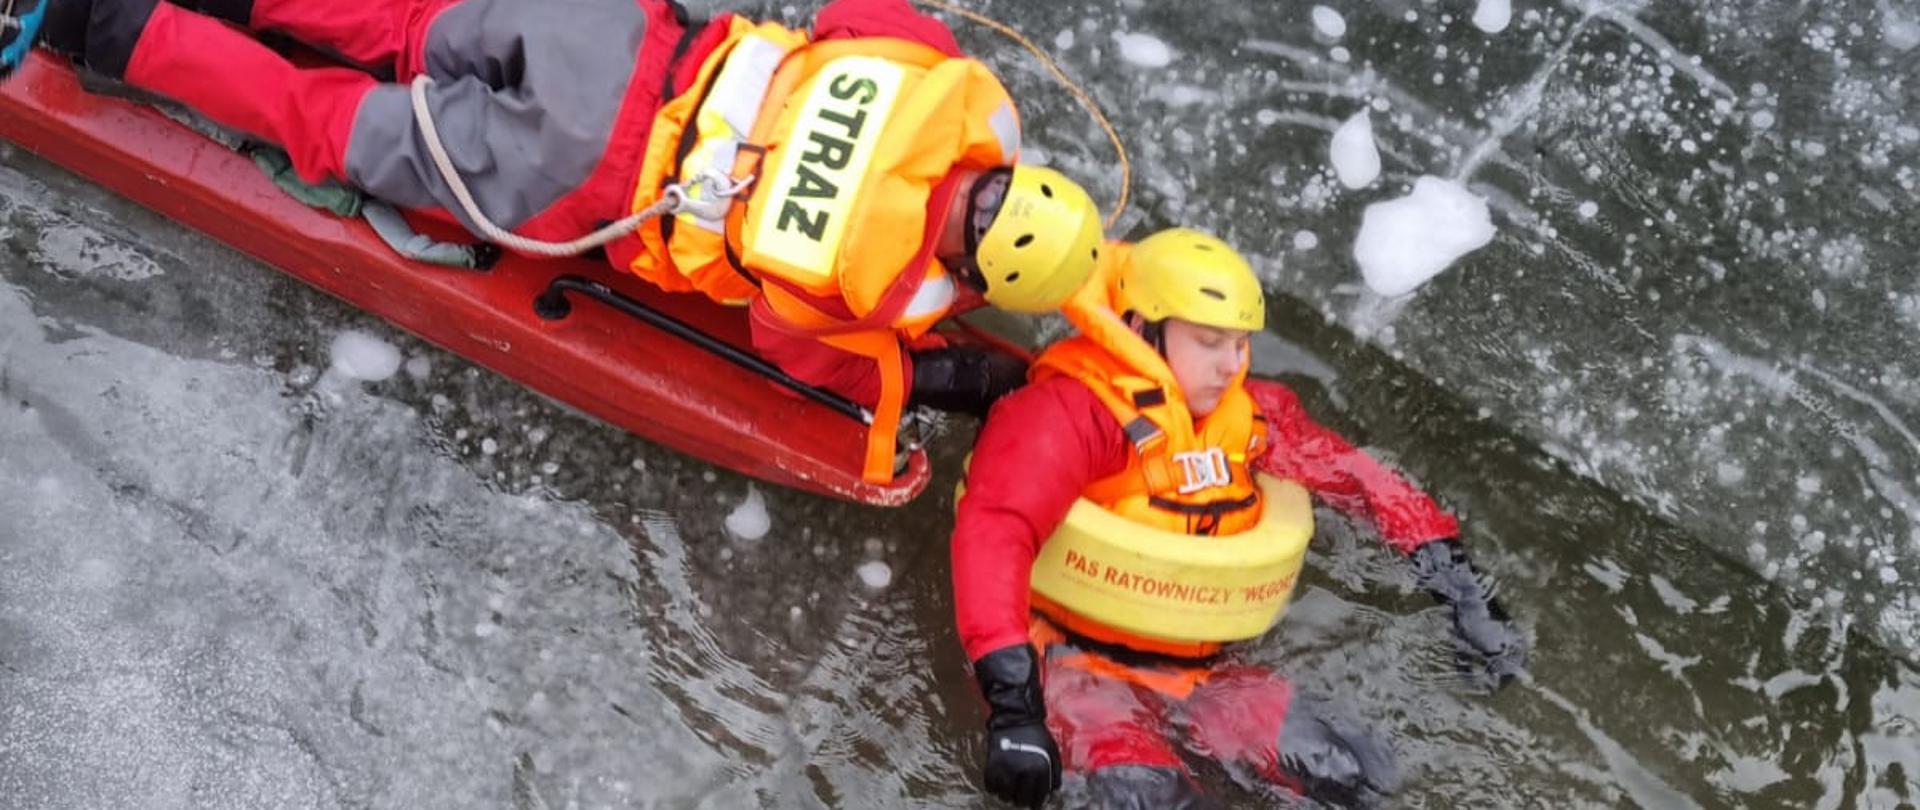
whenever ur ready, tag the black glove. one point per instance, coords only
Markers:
(1486, 645)
(968, 379)
(1023, 763)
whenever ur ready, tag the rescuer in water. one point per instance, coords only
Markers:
(1139, 505)
(864, 172)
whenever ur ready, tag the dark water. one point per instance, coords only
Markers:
(230, 579)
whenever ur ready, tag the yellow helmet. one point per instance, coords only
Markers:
(1042, 243)
(1183, 273)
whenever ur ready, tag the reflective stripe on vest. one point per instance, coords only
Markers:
(727, 115)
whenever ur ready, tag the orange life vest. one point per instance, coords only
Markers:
(1184, 475)
(847, 142)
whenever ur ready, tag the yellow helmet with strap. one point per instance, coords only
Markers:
(1042, 244)
(1186, 274)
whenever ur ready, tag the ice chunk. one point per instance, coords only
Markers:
(1589, 209)
(1305, 240)
(1329, 22)
(1901, 32)
(749, 520)
(1355, 158)
(1492, 16)
(361, 356)
(1404, 243)
(876, 574)
(1145, 50)
(419, 367)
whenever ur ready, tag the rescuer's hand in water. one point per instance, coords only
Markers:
(1023, 763)
(1486, 644)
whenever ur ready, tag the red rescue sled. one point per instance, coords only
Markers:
(594, 358)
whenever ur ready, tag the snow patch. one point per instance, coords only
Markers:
(1144, 50)
(1355, 158)
(1404, 243)
(360, 356)
(749, 520)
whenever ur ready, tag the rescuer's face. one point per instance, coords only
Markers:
(1204, 359)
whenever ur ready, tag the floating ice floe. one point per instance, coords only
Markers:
(361, 356)
(1329, 22)
(1903, 33)
(876, 574)
(1145, 50)
(749, 520)
(1492, 16)
(1355, 158)
(1404, 243)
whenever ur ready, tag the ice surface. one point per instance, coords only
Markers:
(1144, 50)
(1492, 16)
(1404, 243)
(1355, 158)
(1329, 22)
(750, 520)
(875, 574)
(360, 356)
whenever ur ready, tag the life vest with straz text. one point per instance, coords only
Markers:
(848, 142)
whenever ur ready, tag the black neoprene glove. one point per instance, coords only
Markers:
(1023, 763)
(1486, 645)
(968, 379)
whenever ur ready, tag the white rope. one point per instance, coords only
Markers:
(674, 199)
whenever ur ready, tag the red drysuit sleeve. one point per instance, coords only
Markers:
(1343, 476)
(842, 19)
(1041, 447)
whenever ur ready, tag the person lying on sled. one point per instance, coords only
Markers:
(1141, 504)
(877, 163)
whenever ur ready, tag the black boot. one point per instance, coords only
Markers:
(238, 12)
(100, 34)
(1334, 758)
(1145, 787)
(967, 379)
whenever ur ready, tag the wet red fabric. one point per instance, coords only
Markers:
(1044, 444)
(229, 77)
(1104, 713)
(388, 35)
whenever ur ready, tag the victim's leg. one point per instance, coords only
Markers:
(1112, 733)
(1253, 722)
(378, 34)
